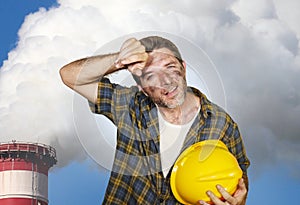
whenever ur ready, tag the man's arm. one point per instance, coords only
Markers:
(83, 75)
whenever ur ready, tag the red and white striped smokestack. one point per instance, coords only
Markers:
(24, 173)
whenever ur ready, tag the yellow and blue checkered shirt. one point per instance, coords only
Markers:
(136, 176)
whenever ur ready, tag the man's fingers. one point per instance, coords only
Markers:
(132, 59)
(202, 203)
(138, 57)
(128, 42)
(214, 198)
(137, 68)
(135, 47)
(228, 198)
(131, 47)
(241, 192)
(223, 192)
(242, 184)
(132, 51)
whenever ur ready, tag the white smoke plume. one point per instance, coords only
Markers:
(254, 45)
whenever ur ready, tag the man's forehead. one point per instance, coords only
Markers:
(162, 51)
(160, 56)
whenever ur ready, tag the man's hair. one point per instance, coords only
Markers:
(156, 42)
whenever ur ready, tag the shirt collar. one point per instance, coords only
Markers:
(149, 110)
(206, 106)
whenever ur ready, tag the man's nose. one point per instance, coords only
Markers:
(165, 78)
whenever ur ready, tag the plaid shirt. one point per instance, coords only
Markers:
(136, 177)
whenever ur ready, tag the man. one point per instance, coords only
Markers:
(160, 114)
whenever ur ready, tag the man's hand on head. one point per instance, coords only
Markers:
(133, 56)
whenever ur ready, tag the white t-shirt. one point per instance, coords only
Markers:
(171, 141)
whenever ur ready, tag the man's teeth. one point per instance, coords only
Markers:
(169, 91)
(172, 89)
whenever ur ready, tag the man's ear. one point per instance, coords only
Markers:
(184, 66)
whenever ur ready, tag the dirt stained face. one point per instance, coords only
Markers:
(164, 79)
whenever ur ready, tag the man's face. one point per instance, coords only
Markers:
(163, 79)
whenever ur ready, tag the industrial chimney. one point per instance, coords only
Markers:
(24, 173)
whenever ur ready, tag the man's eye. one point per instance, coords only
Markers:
(171, 67)
(149, 77)
(177, 72)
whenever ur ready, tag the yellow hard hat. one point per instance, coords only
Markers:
(200, 168)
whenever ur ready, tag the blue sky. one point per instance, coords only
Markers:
(273, 180)
(13, 13)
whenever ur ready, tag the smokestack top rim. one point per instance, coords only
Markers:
(38, 149)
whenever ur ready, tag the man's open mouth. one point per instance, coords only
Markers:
(171, 92)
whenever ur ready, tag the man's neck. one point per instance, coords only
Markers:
(183, 113)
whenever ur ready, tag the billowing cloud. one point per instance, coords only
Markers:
(254, 45)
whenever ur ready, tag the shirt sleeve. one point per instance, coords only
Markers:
(112, 99)
(237, 148)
